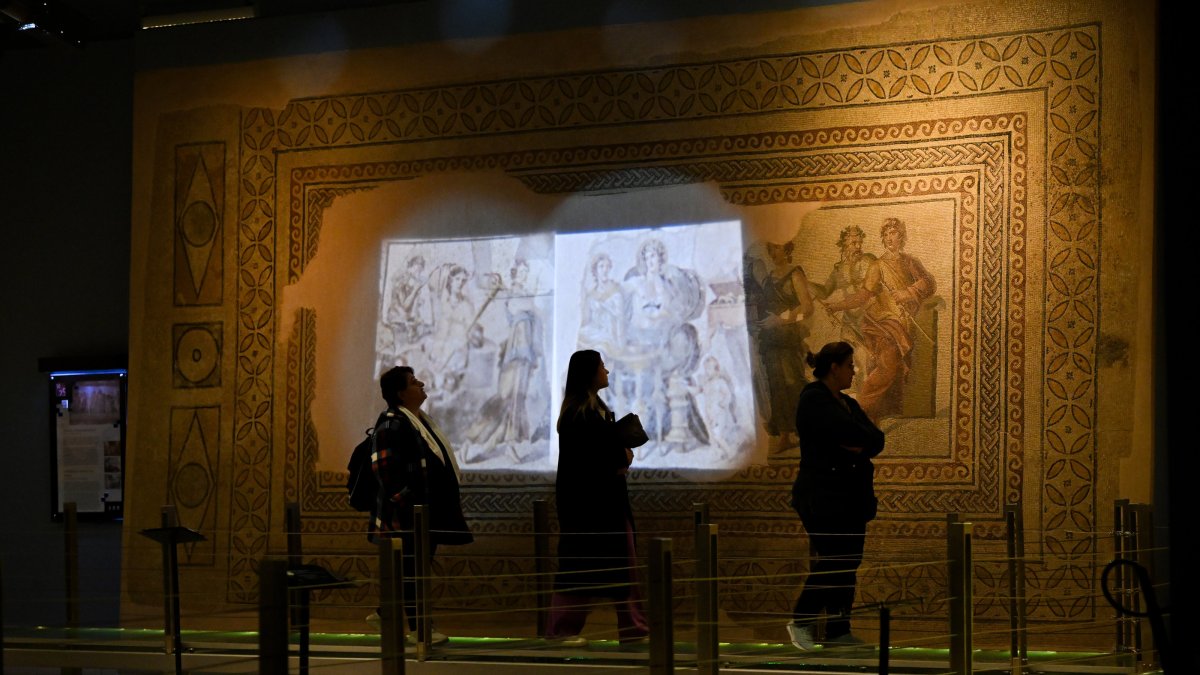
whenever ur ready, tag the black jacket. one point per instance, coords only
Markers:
(411, 473)
(592, 500)
(834, 485)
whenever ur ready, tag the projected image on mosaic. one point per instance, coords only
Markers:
(666, 309)
(489, 324)
(472, 317)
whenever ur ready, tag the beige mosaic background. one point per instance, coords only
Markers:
(1009, 136)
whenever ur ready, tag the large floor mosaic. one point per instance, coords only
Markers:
(997, 136)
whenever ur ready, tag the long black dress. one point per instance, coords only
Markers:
(594, 515)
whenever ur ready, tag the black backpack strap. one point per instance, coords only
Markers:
(389, 421)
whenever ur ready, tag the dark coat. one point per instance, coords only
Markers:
(834, 485)
(592, 499)
(411, 473)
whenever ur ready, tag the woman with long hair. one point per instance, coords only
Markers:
(834, 495)
(596, 555)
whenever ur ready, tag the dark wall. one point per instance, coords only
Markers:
(65, 148)
(1175, 368)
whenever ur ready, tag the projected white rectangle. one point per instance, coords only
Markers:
(471, 316)
(490, 324)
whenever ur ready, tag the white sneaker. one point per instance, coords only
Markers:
(435, 639)
(802, 637)
(571, 641)
(410, 639)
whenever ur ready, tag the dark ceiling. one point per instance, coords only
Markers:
(57, 25)
(26, 24)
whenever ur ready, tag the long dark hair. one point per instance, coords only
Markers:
(831, 353)
(578, 395)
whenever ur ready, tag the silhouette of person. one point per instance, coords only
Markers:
(596, 551)
(414, 464)
(833, 494)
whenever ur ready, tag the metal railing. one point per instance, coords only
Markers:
(681, 571)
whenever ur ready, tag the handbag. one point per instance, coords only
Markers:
(630, 431)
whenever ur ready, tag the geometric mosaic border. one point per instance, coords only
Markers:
(1063, 63)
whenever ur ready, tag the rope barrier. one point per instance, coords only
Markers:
(496, 597)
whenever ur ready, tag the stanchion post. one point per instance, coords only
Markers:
(272, 617)
(1121, 578)
(170, 535)
(707, 600)
(1014, 627)
(662, 629)
(541, 563)
(1, 615)
(1018, 623)
(951, 520)
(167, 519)
(1022, 605)
(173, 635)
(1143, 554)
(700, 513)
(71, 561)
(298, 597)
(961, 600)
(391, 605)
(71, 571)
(885, 638)
(423, 585)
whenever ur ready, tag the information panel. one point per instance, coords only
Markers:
(89, 441)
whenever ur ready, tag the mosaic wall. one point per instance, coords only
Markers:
(999, 134)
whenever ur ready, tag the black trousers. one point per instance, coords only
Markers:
(408, 565)
(835, 551)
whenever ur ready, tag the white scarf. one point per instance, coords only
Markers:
(431, 442)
